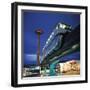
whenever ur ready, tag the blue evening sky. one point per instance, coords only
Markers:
(33, 20)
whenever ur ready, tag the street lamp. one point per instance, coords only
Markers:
(38, 32)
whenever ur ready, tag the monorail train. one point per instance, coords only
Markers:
(55, 40)
(61, 41)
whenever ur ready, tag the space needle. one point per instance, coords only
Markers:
(38, 32)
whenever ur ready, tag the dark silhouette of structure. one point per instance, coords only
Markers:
(38, 32)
